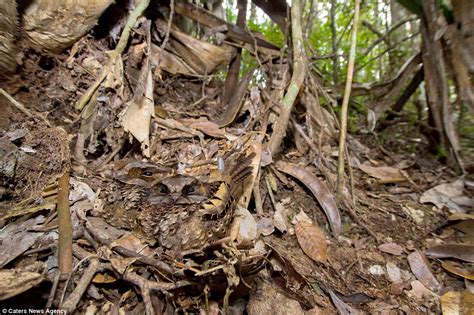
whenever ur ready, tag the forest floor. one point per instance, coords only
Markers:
(376, 265)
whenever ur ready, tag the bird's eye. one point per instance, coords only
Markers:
(162, 189)
(147, 173)
(190, 190)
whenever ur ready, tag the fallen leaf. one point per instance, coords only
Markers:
(279, 218)
(312, 241)
(122, 264)
(420, 267)
(393, 272)
(386, 174)
(391, 248)
(131, 242)
(443, 194)
(417, 215)
(319, 190)
(16, 239)
(460, 251)
(208, 127)
(458, 270)
(419, 291)
(16, 281)
(300, 217)
(102, 229)
(265, 226)
(137, 116)
(248, 226)
(454, 303)
(103, 278)
(342, 307)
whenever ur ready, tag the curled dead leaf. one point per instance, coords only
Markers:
(312, 241)
(466, 273)
(319, 190)
(103, 278)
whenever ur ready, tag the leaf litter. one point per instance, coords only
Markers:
(140, 109)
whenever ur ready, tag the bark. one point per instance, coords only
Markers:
(381, 104)
(407, 93)
(464, 19)
(335, 58)
(436, 83)
(54, 25)
(277, 10)
(397, 14)
(8, 29)
(299, 72)
(234, 67)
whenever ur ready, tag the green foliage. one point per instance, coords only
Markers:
(268, 29)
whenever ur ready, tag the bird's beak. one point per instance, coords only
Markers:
(175, 197)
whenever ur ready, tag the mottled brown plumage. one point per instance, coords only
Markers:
(178, 212)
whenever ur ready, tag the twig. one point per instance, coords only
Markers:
(296, 82)
(345, 105)
(64, 226)
(52, 293)
(146, 286)
(22, 107)
(160, 265)
(170, 21)
(74, 298)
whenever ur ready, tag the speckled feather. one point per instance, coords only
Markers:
(191, 223)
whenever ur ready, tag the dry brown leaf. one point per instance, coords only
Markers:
(458, 270)
(279, 217)
(420, 267)
(460, 251)
(131, 242)
(454, 303)
(104, 278)
(137, 116)
(387, 174)
(443, 194)
(319, 190)
(461, 216)
(248, 226)
(391, 248)
(16, 281)
(208, 127)
(122, 264)
(312, 241)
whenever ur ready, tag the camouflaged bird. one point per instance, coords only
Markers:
(178, 212)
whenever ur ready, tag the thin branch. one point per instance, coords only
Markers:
(64, 226)
(396, 45)
(22, 107)
(386, 35)
(345, 105)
